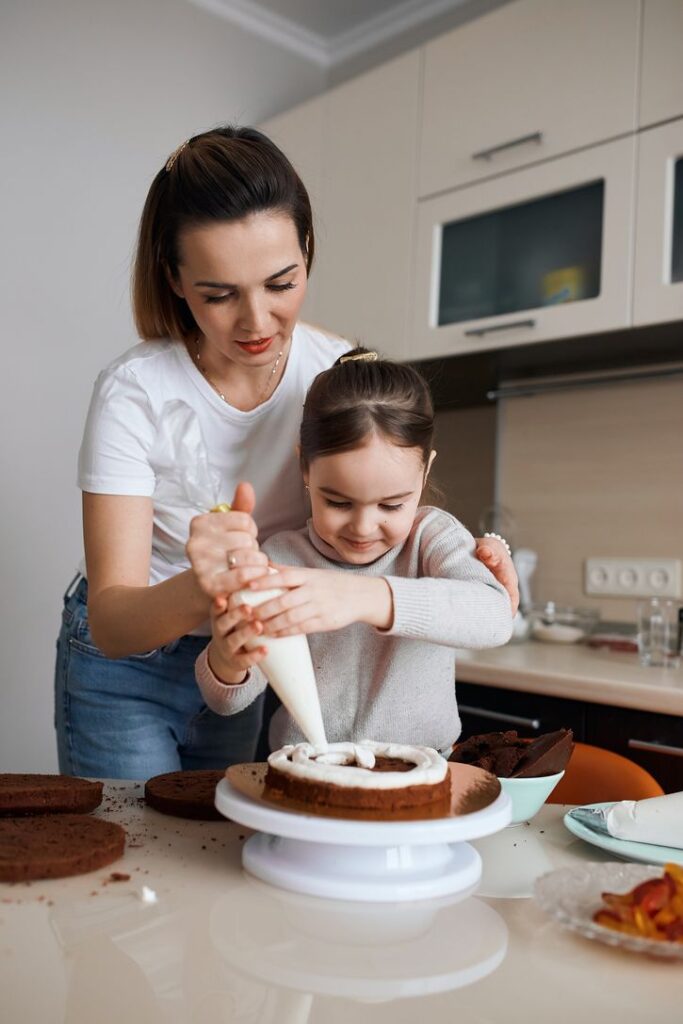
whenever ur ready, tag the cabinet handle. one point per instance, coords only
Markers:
(500, 716)
(656, 748)
(486, 154)
(479, 332)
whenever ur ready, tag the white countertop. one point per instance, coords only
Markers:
(577, 672)
(218, 947)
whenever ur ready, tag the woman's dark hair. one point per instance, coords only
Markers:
(356, 398)
(221, 175)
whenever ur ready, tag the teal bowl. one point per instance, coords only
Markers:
(528, 795)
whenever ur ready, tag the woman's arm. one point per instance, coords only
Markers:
(492, 553)
(127, 616)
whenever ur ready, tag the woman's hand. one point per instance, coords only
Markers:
(320, 600)
(223, 550)
(493, 554)
(228, 658)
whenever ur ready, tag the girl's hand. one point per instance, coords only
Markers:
(230, 630)
(320, 600)
(494, 556)
(223, 550)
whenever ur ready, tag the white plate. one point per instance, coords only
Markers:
(572, 895)
(646, 853)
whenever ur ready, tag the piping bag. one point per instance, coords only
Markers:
(186, 476)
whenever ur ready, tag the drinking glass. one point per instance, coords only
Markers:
(659, 640)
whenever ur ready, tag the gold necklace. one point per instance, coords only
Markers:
(264, 394)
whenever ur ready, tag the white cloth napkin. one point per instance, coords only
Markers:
(657, 820)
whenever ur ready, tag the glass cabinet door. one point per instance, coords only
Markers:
(540, 253)
(658, 280)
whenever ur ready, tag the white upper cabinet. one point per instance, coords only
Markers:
(661, 79)
(658, 293)
(299, 134)
(368, 208)
(355, 148)
(529, 81)
(545, 252)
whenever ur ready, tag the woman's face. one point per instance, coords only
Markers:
(244, 282)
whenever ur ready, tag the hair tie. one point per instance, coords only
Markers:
(175, 154)
(361, 357)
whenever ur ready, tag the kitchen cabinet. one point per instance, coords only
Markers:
(529, 81)
(367, 209)
(491, 709)
(360, 168)
(652, 740)
(658, 291)
(299, 134)
(539, 254)
(661, 79)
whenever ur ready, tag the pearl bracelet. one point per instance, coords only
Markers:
(502, 540)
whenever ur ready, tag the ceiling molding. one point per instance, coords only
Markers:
(376, 30)
(324, 51)
(283, 32)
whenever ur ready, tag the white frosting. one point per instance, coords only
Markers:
(350, 764)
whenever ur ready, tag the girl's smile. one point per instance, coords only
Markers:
(364, 501)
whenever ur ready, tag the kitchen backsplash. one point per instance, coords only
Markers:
(464, 469)
(595, 472)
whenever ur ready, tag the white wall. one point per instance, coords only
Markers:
(94, 94)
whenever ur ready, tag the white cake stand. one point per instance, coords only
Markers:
(378, 861)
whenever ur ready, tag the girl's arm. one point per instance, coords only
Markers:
(127, 616)
(225, 670)
(449, 599)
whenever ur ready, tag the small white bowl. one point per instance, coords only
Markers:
(528, 795)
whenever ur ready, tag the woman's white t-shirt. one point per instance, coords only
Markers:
(157, 428)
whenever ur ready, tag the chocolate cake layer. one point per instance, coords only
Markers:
(47, 794)
(316, 794)
(57, 845)
(185, 794)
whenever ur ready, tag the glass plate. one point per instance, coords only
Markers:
(572, 895)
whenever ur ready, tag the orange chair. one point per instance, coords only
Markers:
(594, 775)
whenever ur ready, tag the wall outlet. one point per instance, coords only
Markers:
(633, 577)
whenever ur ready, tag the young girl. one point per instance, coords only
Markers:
(386, 588)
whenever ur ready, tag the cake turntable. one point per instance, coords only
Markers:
(376, 861)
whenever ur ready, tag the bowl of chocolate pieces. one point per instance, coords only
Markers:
(528, 769)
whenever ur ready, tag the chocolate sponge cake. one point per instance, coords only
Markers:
(57, 845)
(47, 794)
(185, 794)
(363, 777)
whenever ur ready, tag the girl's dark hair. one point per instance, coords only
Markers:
(356, 398)
(221, 175)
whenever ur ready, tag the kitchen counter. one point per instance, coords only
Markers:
(577, 672)
(176, 932)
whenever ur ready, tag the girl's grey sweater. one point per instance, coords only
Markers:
(396, 685)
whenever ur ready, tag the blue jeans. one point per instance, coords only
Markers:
(135, 717)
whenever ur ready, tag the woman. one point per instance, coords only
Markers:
(224, 251)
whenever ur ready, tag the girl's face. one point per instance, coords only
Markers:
(364, 501)
(244, 282)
